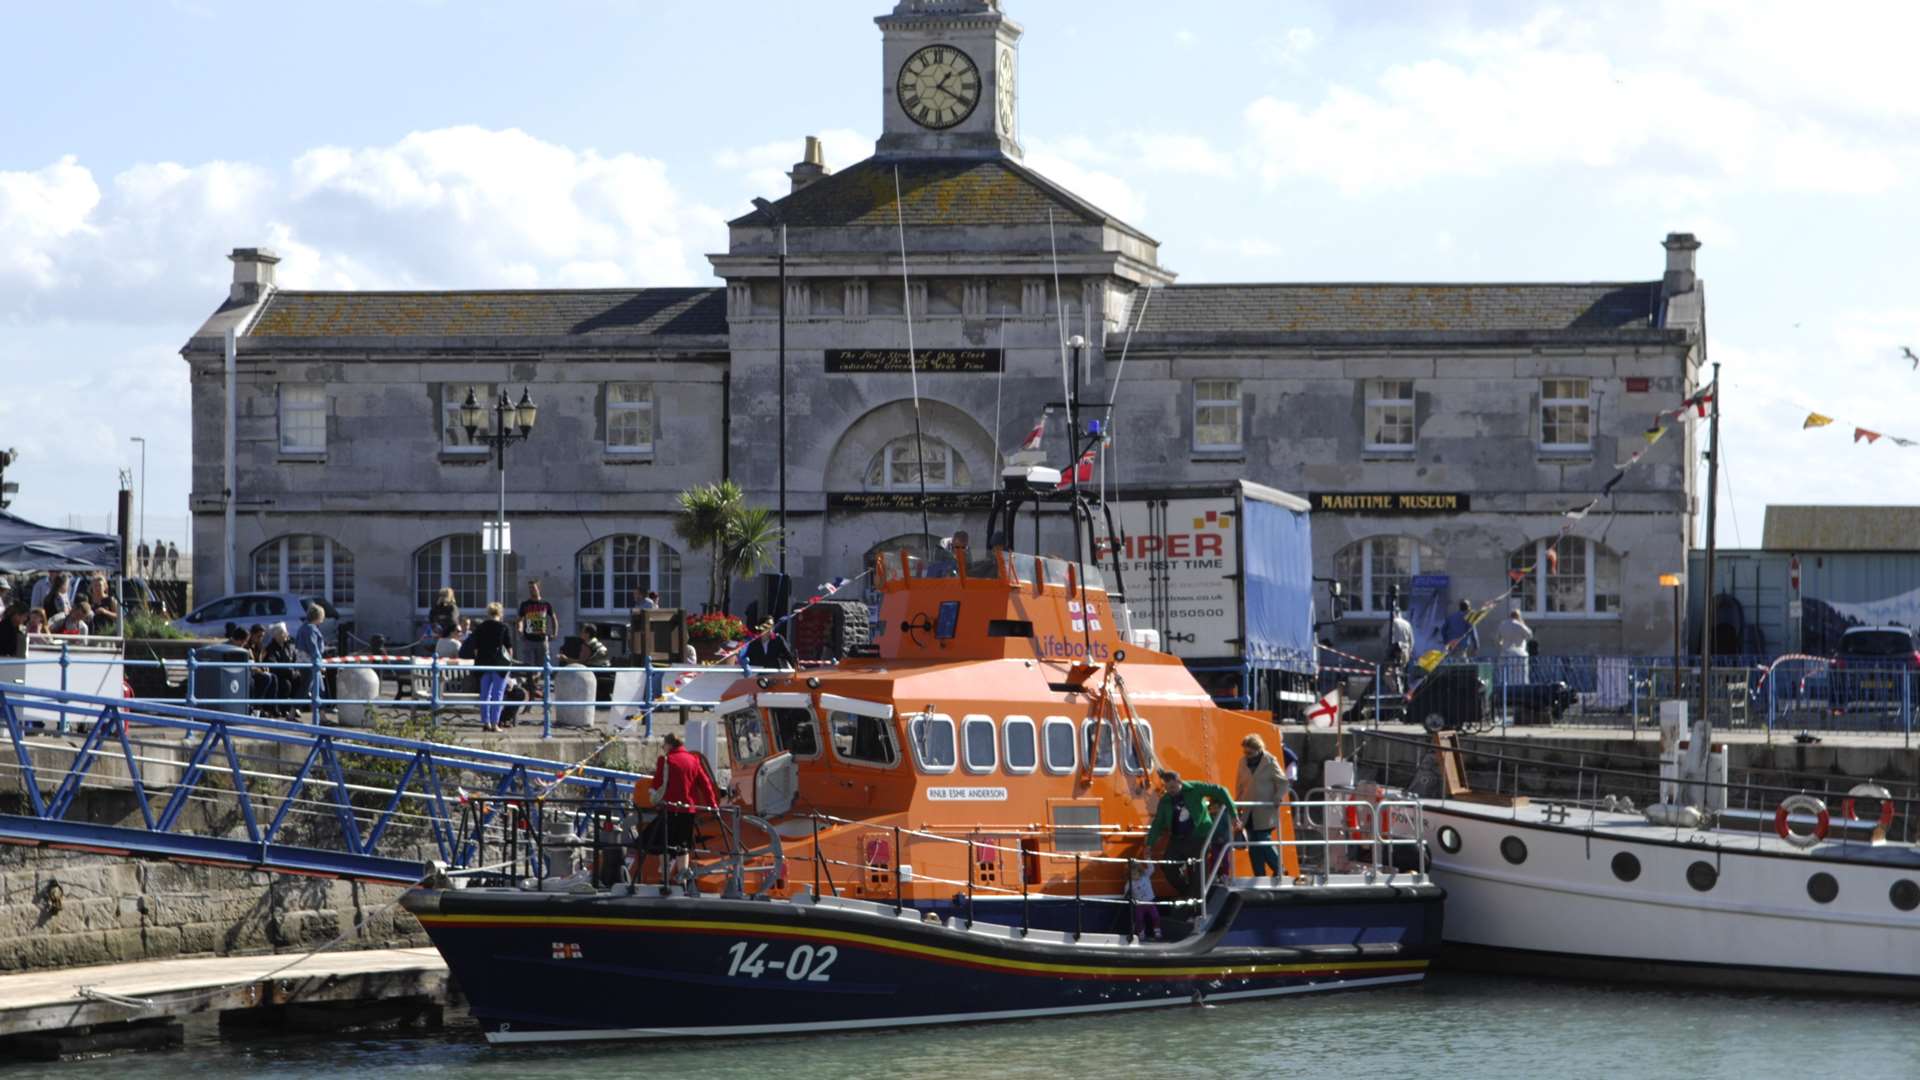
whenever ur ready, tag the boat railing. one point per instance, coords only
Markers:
(893, 568)
(1588, 784)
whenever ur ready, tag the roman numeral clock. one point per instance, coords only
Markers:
(938, 86)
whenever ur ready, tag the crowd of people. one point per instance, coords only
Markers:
(57, 604)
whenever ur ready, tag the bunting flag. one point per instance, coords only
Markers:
(1815, 420)
(1898, 441)
(1654, 434)
(1607, 488)
(1862, 433)
(1032, 441)
(1083, 468)
(1699, 401)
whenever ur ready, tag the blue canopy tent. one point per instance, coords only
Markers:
(26, 548)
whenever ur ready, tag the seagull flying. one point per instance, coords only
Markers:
(1908, 353)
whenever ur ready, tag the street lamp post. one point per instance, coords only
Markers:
(142, 440)
(1674, 581)
(506, 418)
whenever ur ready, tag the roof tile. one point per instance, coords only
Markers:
(534, 312)
(1336, 308)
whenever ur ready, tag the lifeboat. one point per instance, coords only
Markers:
(952, 830)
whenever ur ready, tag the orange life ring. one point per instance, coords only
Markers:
(1783, 826)
(1869, 791)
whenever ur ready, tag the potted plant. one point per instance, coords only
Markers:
(711, 633)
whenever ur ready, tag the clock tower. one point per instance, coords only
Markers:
(948, 71)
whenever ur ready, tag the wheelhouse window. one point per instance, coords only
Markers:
(1097, 737)
(746, 738)
(796, 730)
(1022, 753)
(1566, 414)
(453, 434)
(303, 419)
(1216, 414)
(1369, 570)
(898, 465)
(307, 565)
(451, 562)
(629, 418)
(1062, 757)
(1136, 753)
(608, 573)
(1390, 413)
(863, 740)
(932, 739)
(1577, 576)
(979, 743)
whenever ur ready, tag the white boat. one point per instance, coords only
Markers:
(1713, 884)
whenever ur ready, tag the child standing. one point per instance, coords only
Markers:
(1146, 914)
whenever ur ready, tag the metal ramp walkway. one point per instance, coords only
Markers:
(196, 785)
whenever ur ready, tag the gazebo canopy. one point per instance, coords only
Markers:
(26, 547)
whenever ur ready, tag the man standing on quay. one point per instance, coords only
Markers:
(535, 627)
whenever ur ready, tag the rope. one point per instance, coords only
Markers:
(913, 366)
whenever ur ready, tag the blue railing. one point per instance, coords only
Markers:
(306, 821)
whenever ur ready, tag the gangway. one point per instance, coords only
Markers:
(257, 793)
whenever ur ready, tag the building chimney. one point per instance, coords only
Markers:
(811, 167)
(252, 274)
(1679, 277)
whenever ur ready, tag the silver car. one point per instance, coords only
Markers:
(250, 609)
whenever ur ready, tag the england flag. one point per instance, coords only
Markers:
(1326, 713)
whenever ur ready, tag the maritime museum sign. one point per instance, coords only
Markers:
(938, 502)
(1392, 502)
(928, 361)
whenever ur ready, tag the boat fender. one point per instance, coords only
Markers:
(1682, 817)
(1802, 803)
(1869, 791)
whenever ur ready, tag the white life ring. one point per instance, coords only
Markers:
(1802, 803)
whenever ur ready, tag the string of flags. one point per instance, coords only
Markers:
(1550, 554)
(1860, 434)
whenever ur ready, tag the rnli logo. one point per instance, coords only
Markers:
(566, 950)
(1213, 519)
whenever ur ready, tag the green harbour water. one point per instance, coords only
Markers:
(1455, 1026)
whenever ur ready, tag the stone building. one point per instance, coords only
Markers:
(1496, 405)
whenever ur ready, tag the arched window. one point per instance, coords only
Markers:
(1582, 577)
(608, 572)
(451, 562)
(305, 565)
(898, 465)
(1368, 569)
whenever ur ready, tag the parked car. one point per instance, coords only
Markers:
(211, 619)
(1869, 666)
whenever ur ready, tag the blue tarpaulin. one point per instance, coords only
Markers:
(26, 547)
(1277, 558)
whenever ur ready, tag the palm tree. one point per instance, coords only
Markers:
(703, 522)
(751, 543)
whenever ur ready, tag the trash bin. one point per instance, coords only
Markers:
(220, 674)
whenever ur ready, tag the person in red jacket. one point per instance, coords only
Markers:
(682, 788)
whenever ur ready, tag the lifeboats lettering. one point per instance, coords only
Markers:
(967, 794)
(804, 963)
(1068, 649)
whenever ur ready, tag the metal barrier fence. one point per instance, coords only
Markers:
(343, 691)
(1774, 694)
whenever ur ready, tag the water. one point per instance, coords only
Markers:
(1455, 1026)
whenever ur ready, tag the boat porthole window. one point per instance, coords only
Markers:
(1514, 850)
(1904, 894)
(1626, 867)
(1449, 839)
(1702, 876)
(1823, 888)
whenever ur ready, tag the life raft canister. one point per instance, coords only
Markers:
(1801, 803)
(1869, 791)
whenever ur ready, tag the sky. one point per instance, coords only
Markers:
(410, 144)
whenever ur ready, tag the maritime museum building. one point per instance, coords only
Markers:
(1441, 431)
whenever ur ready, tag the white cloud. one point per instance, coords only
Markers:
(763, 169)
(1288, 46)
(454, 207)
(1184, 38)
(1069, 164)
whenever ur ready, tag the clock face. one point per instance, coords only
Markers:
(938, 86)
(1004, 91)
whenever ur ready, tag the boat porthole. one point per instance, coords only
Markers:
(1514, 850)
(1449, 840)
(1823, 888)
(1904, 894)
(1625, 866)
(1702, 876)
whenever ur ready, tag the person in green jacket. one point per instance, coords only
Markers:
(1185, 816)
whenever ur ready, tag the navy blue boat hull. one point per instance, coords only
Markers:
(545, 967)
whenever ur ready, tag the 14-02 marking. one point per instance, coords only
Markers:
(805, 963)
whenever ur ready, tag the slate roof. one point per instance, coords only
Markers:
(935, 192)
(546, 313)
(1841, 528)
(1405, 308)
